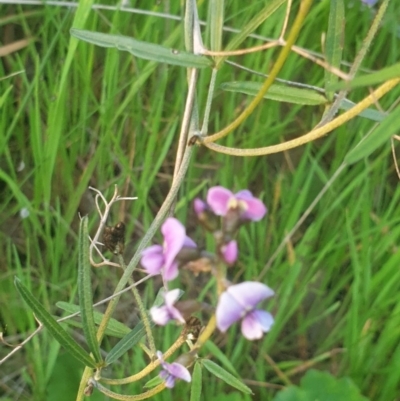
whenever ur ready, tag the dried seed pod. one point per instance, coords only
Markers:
(114, 238)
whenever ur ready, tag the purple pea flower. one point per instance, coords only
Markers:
(163, 314)
(172, 371)
(221, 200)
(230, 252)
(239, 302)
(157, 259)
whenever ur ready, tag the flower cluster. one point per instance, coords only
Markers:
(222, 214)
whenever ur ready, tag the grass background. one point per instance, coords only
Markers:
(109, 118)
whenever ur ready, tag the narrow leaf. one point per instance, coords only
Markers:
(222, 374)
(145, 50)
(54, 328)
(334, 42)
(114, 327)
(155, 381)
(127, 342)
(216, 23)
(195, 390)
(389, 126)
(85, 290)
(218, 354)
(371, 114)
(383, 75)
(280, 93)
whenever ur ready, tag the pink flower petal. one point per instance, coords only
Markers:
(255, 324)
(153, 259)
(171, 272)
(230, 252)
(249, 293)
(228, 311)
(174, 237)
(255, 210)
(218, 200)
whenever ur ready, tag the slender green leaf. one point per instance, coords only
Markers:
(218, 354)
(378, 77)
(216, 23)
(334, 43)
(55, 329)
(371, 114)
(4, 95)
(222, 374)
(195, 390)
(85, 290)
(127, 342)
(280, 93)
(114, 327)
(155, 381)
(389, 126)
(145, 50)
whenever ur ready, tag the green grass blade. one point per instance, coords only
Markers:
(55, 329)
(218, 354)
(195, 390)
(145, 50)
(383, 75)
(127, 342)
(216, 24)
(280, 93)
(389, 126)
(222, 374)
(85, 290)
(114, 327)
(334, 42)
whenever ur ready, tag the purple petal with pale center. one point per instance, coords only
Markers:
(228, 311)
(153, 259)
(249, 293)
(255, 210)
(230, 252)
(172, 371)
(179, 371)
(218, 200)
(256, 323)
(174, 237)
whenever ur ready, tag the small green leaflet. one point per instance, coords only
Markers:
(222, 374)
(145, 50)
